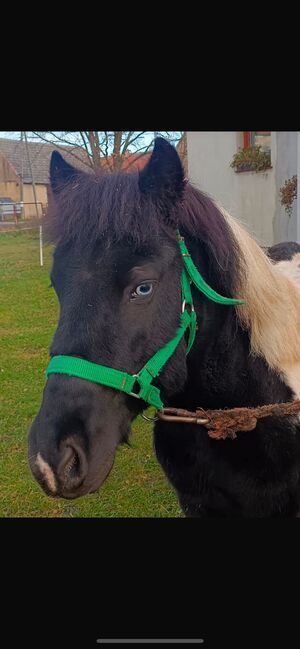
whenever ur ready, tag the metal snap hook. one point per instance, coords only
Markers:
(149, 418)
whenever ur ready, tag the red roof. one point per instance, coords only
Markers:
(130, 161)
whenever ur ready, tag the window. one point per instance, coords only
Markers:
(255, 152)
(258, 138)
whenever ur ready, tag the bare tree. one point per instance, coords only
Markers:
(109, 150)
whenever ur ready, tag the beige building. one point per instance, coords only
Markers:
(15, 174)
(251, 197)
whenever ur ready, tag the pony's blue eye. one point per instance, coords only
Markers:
(143, 290)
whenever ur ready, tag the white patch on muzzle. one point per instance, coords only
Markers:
(47, 472)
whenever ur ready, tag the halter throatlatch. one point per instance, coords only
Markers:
(140, 385)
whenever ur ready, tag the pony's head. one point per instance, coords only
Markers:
(116, 272)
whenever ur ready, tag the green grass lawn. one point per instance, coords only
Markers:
(136, 486)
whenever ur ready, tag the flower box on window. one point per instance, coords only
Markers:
(251, 158)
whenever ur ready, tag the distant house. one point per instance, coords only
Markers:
(253, 197)
(129, 162)
(15, 175)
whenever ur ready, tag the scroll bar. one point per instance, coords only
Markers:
(150, 641)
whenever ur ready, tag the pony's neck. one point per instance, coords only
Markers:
(222, 373)
(233, 362)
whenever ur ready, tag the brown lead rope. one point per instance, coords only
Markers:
(226, 423)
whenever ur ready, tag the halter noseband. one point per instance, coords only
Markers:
(140, 385)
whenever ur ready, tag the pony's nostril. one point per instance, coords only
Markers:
(72, 467)
(71, 463)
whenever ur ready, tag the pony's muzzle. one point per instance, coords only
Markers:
(73, 439)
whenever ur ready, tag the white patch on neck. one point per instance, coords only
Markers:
(46, 472)
(291, 268)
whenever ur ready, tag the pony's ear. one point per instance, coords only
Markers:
(163, 174)
(61, 172)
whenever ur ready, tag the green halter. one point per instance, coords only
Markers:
(140, 385)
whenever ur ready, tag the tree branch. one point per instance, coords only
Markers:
(139, 135)
(62, 148)
(126, 143)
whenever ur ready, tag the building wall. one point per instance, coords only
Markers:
(298, 188)
(10, 187)
(285, 227)
(182, 152)
(248, 196)
(28, 197)
(255, 204)
(10, 190)
(9, 181)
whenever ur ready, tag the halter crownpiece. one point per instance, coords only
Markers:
(140, 385)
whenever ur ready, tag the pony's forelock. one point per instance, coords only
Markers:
(103, 205)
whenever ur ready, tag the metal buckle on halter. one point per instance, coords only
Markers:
(134, 394)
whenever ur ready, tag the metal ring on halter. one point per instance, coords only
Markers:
(149, 418)
(184, 305)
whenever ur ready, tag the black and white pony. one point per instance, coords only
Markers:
(116, 272)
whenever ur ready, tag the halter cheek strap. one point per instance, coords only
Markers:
(140, 385)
